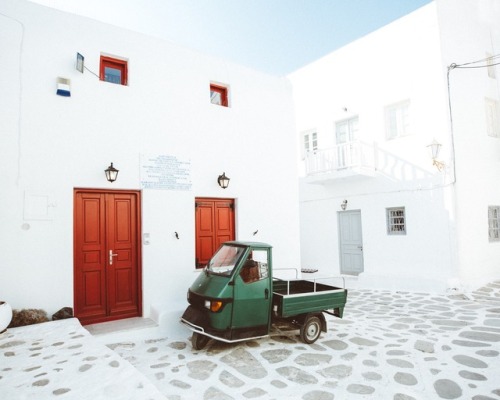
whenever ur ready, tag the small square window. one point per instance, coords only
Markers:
(218, 95)
(396, 221)
(113, 70)
(494, 223)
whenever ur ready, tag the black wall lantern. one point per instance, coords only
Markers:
(111, 173)
(223, 181)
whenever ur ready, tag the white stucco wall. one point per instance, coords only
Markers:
(468, 32)
(50, 145)
(447, 212)
(399, 62)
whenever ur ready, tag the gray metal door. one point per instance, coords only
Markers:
(350, 242)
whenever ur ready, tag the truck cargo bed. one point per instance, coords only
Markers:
(297, 297)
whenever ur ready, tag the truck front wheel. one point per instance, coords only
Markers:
(310, 330)
(199, 341)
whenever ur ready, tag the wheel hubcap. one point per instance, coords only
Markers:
(312, 330)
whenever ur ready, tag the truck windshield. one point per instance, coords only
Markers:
(224, 261)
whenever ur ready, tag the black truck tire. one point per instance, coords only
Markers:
(199, 341)
(311, 329)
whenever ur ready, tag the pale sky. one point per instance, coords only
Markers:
(273, 36)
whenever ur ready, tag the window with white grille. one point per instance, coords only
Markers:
(494, 223)
(309, 142)
(397, 120)
(347, 130)
(396, 221)
(492, 117)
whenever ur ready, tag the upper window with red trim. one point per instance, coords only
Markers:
(218, 95)
(113, 70)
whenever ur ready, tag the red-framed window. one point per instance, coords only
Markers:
(218, 95)
(113, 70)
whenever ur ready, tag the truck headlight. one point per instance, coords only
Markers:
(213, 305)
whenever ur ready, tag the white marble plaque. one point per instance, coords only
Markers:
(165, 172)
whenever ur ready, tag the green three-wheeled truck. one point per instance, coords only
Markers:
(236, 298)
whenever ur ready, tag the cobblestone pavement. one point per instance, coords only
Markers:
(60, 359)
(389, 345)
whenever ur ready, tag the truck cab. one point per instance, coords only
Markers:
(231, 298)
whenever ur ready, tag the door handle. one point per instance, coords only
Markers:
(360, 247)
(266, 293)
(111, 255)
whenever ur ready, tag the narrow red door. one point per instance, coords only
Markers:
(106, 255)
(214, 225)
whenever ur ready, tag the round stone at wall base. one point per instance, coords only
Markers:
(5, 315)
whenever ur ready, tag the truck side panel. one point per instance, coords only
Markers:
(291, 298)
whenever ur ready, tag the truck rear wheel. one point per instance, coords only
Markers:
(199, 341)
(310, 330)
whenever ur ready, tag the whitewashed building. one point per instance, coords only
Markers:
(172, 121)
(373, 202)
(77, 95)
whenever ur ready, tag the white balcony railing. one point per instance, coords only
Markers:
(357, 157)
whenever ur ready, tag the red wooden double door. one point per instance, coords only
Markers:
(107, 262)
(214, 225)
(107, 259)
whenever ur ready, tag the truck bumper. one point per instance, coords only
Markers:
(199, 321)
